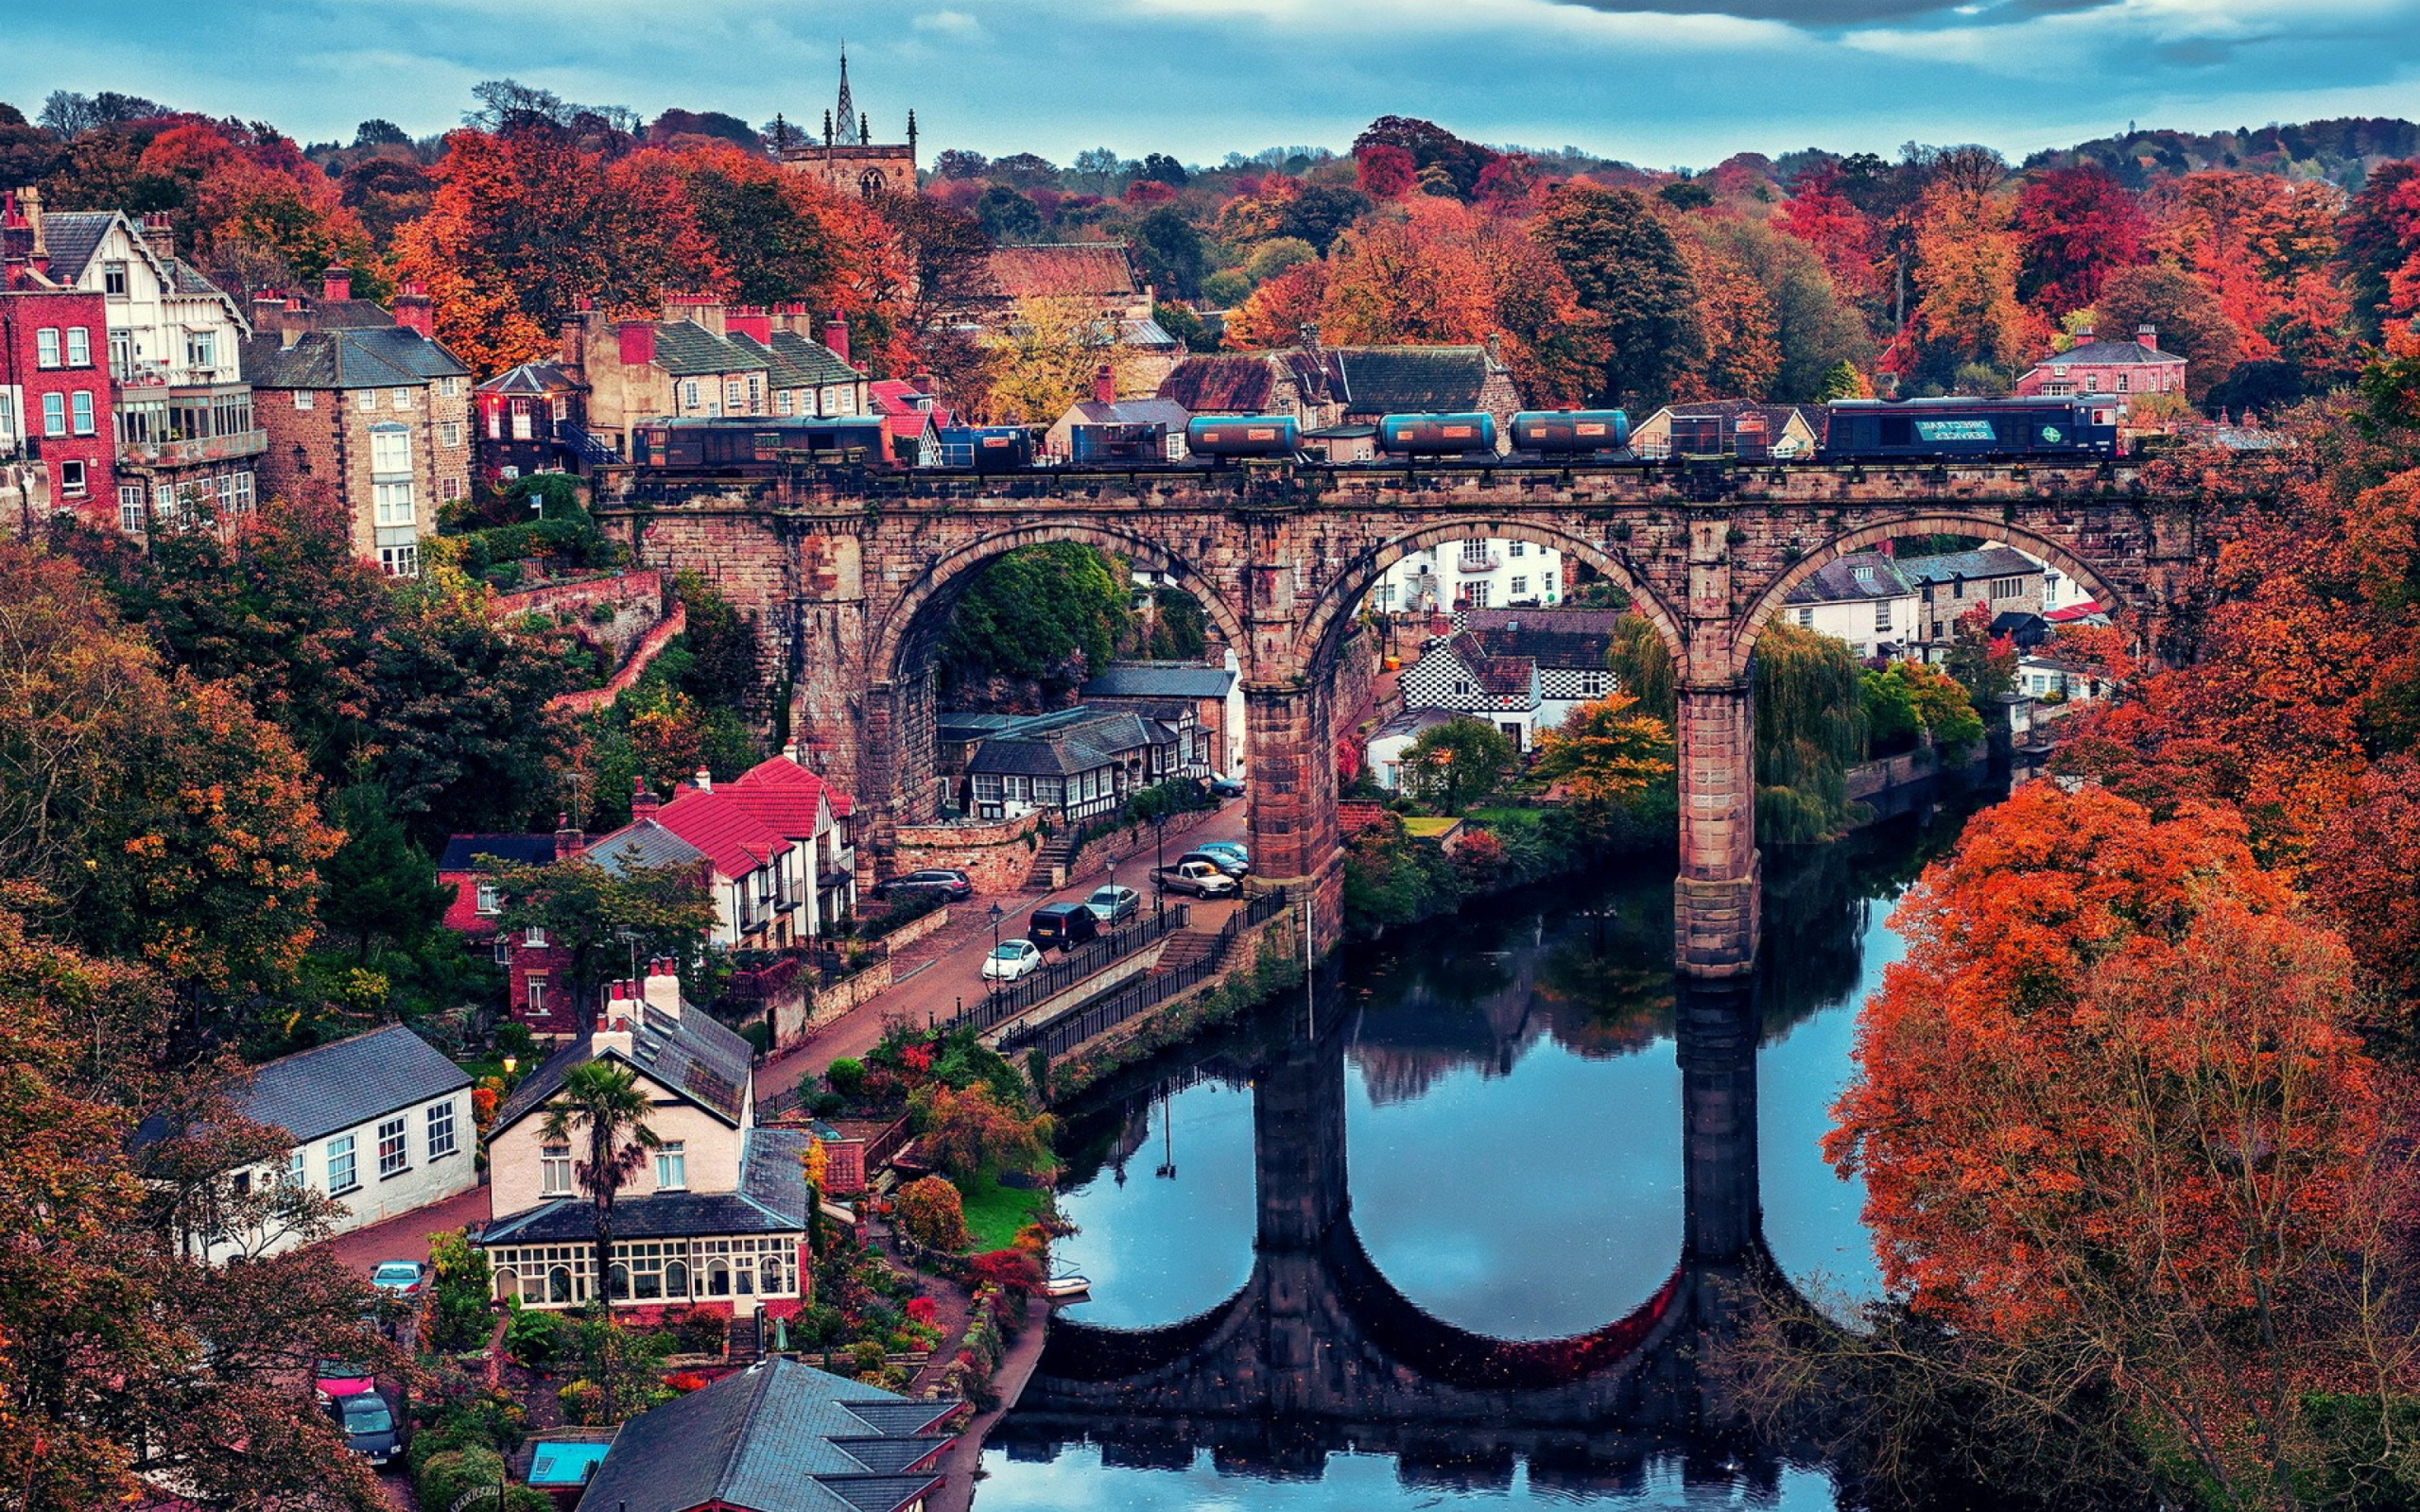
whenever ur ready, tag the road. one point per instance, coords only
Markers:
(936, 975)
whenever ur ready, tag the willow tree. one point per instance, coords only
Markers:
(1810, 727)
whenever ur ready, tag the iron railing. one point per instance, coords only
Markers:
(1063, 1032)
(1094, 955)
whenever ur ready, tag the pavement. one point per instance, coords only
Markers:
(964, 1457)
(938, 975)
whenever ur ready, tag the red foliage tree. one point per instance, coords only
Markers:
(1386, 172)
(2074, 225)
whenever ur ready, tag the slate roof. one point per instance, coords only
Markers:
(1164, 412)
(534, 378)
(1063, 752)
(685, 349)
(1087, 269)
(463, 851)
(1411, 722)
(72, 238)
(779, 1436)
(771, 1199)
(1226, 384)
(819, 363)
(1395, 380)
(1858, 575)
(1159, 680)
(690, 1052)
(641, 843)
(1568, 640)
(1992, 561)
(2109, 354)
(1505, 675)
(389, 356)
(318, 1091)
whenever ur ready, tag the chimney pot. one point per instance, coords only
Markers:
(336, 283)
(704, 780)
(414, 311)
(643, 802)
(662, 989)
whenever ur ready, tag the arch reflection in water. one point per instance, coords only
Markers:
(1319, 1353)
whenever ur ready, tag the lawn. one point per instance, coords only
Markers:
(994, 1212)
(1421, 828)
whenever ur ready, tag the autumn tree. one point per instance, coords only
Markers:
(1735, 316)
(2187, 315)
(1819, 215)
(1274, 315)
(1814, 333)
(1046, 359)
(1604, 753)
(2075, 226)
(1626, 268)
(932, 1213)
(1966, 313)
(973, 1136)
(2381, 248)
(2100, 1016)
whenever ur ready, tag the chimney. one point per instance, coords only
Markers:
(571, 348)
(159, 233)
(923, 381)
(750, 321)
(569, 841)
(643, 803)
(2147, 335)
(29, 200)
(836, 335)
(703, 781)
(662, 989)
(336, 283)
(638, 342)
(412, 309)
(790, 752)
(703, 310)
(1308, 334)
(1104, 386)
(2083, 336)
(614, 1019)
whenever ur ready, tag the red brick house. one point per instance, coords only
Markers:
(2096, 367)
(55, 406)
(536, 996)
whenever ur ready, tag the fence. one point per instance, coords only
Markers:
(1065, 1031)
(1096, 955)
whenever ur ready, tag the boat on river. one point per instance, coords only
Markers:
(1066, 1288)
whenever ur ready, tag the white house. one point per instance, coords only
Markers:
(1391, 740)
(1458, 674)
(1568, 646)
(380, 1122)
(1861, 598)
(716, 1215)
(1480, 573)
(2043, 676)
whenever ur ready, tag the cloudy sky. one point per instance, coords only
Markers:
(1659, 83)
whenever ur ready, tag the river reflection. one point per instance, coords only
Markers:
(1430, 1253)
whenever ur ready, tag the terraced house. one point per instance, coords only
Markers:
(705, 360)
(364, 405)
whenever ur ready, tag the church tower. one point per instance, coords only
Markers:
(848, 158)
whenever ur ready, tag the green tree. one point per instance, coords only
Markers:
(598, 913)
(622, 1367)
(1625, 267)
(1458, 763)
(1811, 729)
(380, 886)
(601, 1104)
(1051, 615)
(1642, 666)
(1171, 251)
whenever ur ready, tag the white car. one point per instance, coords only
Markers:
(1011, 960)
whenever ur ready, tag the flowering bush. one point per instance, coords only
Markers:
(922, 1309)
(685, 1381)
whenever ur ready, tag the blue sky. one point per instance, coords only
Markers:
(1659, 83)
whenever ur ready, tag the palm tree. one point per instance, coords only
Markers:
(603, 1098)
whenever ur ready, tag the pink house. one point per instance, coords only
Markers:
(2094, 367)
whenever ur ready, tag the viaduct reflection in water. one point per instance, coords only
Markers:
(1318, 1352)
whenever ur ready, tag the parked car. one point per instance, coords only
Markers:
(334, 1379)
(1062, 926)
(369, 1426)
(1012, 960)
(1200, 876)
(396, 1277)
(949, 882)
(1226, 861)
(1114, 905)
(1222, 786)
(1235, 848)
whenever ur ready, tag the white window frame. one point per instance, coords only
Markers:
(450, 432)
(46, 347)
(305, 399)
(394, 1146)
(54, 414)
(489, 899)
(80, 412)
(672, 1167)
(298, 1168)
(441, 1138)
(71, 479)
(342, 1157)
(79, 346)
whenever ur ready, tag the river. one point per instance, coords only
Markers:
(1404, 1241)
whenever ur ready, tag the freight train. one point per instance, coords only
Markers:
(1856, 431)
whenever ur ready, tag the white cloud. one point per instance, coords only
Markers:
(956, 24)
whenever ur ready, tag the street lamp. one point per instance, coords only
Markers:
(1160, 844)
(996, 915)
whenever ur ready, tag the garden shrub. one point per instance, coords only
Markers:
(534, 1339)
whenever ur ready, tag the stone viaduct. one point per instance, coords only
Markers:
(1317, 1351)
(853, 574)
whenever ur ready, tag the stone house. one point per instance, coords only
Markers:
(2096, 367)
(1863, 598)
(381, 1123)
(1730, 427)
(57, 398)
(704, 360)
(1951, 584)
(717, 1215)
(378, 416)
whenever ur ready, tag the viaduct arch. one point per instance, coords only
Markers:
(849, 574)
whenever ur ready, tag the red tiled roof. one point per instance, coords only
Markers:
(1095, 269)
(788, 772)
(731, 837)
(784, 796)
(1227, 383)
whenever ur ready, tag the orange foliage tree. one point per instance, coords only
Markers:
(1822, 217)
(1966, 266)
(2261, 244)
(2111, 1107)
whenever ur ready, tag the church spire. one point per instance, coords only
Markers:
(850, 134)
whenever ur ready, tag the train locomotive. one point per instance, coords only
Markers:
(1940, 430)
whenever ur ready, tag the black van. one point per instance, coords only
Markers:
(1062, 926)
